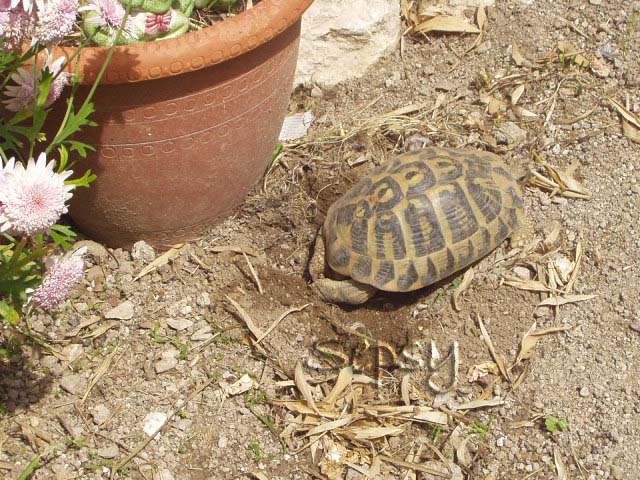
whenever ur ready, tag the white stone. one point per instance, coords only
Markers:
(179, 324)
(203, 299)
(142, 250)
(166, 363)
(73, 351)
(124, 311)
(153, 422)
(100, 413)
(202, 334)
(473, 3)
(73, 383)
(165, 475)
(340, 39)
(109, 452)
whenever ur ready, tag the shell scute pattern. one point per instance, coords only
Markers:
(422, 216)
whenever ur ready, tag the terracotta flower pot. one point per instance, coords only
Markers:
(186, 126)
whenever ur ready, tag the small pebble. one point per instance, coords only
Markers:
(73, 383)
(584, 392)
(124, 311)
(316, 92)
(152, 422)
(167, 362)
(143, 251)
(100, 414)
(179, 324)
(109, 452)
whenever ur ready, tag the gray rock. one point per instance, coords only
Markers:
(94, 249)
(203, 299)
(456, 472)
(124, 311)
(510, 134)
(179, 324)
(73, 351)
(167, 361)
(339, 43)
(110, 451)
(143, 251)
(165, 474)
(100, 414)
(74, 384)
(202, 334)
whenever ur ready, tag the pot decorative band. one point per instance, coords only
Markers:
(194, 50)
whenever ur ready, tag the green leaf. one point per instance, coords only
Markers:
(83, 181)
(63, 236)
(74, 124)
(555, 424)
(9, 313)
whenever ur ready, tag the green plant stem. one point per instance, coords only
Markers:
(94, 87)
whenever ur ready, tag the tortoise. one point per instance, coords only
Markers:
(415, 220)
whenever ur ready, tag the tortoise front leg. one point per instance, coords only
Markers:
(343, 291)
(335, 291)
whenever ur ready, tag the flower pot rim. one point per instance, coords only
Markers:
(192, 51)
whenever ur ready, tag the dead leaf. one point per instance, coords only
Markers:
(630, 131)
(560, 466)
(303, 387)
(345, 377)
(236, 249)
(328, 426)
(576, 268)
(569, 186)
(243, 384)
(161, 260)
(371, 433)
(404, 389)
(630, 121)
(481, 370)
(100, 330)
(466, 281)
(516, 55)
(496, 357)
(569, 51)
(446, 23)
(481, 17)
(600, 67)
(530, 339)
(492, 402)
(564, 299)
(522, 113)
(516, 94)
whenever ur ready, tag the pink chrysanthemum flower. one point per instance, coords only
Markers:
(62, 275)
(33, 198)
(55, 20)
(110, 14)
(23, 93)
(15, 26)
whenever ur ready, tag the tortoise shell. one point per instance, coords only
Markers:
(421, 217)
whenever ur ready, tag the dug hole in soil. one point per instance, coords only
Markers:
(169, 349)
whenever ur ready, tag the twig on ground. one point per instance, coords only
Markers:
(279, 319)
